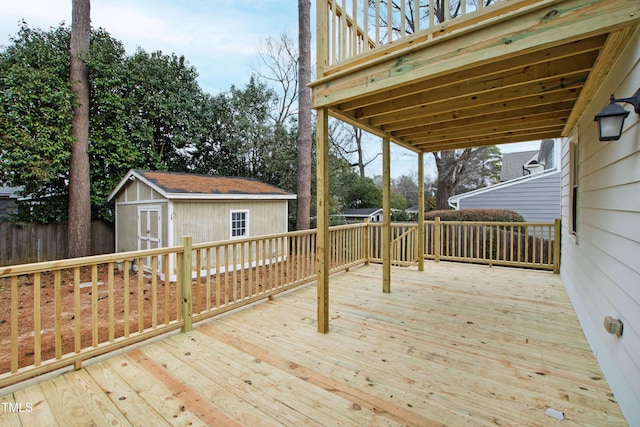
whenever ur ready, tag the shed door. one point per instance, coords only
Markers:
(149, 231)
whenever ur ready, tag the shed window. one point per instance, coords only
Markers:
(239, 223)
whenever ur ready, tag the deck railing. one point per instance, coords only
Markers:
(60, 313)
(353, 27)
(521, 244)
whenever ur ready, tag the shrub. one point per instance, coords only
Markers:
(493, 215)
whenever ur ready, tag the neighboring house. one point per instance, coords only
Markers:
(155, 209)
(359, 215)
(513, 164)
(8, 202)
(534, 194)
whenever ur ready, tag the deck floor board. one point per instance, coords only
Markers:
(453, 345)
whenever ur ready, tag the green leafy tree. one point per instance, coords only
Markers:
(147, 111)
(165, 108)
(35, 119)
(353, 191)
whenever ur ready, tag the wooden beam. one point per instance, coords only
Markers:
(386, 214)
(512, 117)
(513, 64)
(477, 100)
(489, 130)
(322, 242)
(548, 74)
(491, 140)
(562, 99)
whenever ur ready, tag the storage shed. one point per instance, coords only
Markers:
(155, 209)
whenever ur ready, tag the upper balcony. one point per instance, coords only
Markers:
(466, 73)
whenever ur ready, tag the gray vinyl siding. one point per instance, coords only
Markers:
(600, 265)
(536, 199)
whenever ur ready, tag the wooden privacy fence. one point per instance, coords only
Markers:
(22, 243)
(59, 313)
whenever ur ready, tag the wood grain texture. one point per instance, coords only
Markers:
(452, 345)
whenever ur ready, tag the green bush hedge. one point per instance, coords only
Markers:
(493, 215)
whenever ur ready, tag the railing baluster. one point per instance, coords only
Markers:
(112, 308)
(37, 321)
(389, 21)
(378, 40)
(57, 284)
(167, 289)
(154, 291)
(242, 285)
(95, 317)
(14, 323)
(217, 276)
(126, 297)
(140, 275)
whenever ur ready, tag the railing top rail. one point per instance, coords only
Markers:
(498, 223)
(39, 267)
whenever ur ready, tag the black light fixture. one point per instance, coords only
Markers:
(611, 118)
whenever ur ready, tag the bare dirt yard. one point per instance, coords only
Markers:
(139, 294)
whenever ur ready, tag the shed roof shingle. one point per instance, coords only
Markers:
(178, 185)
(177, 182)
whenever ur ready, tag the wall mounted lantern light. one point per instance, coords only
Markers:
(611, 118)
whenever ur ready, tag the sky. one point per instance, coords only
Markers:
(220, 38)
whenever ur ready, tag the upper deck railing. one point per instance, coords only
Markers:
(348, 28)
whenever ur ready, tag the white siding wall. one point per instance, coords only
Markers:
(211, 221)
(601, 265)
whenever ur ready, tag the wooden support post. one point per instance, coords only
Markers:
(386, 214)
(557, 237)
(437, 238)
(185, 284)
(322, 242)
(421, 212)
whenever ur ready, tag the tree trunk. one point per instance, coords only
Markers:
(303, 212)
(444, 190)
(79, 224)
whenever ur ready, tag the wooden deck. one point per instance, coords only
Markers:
(453, 345)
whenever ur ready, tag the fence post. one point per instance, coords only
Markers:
(367, 241)
(557, 237)
(436, 239)
(185, 284)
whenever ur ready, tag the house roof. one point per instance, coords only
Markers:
(361, 213)
(453, 200)
(512, 164)
(9, 192)
(178, 185)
